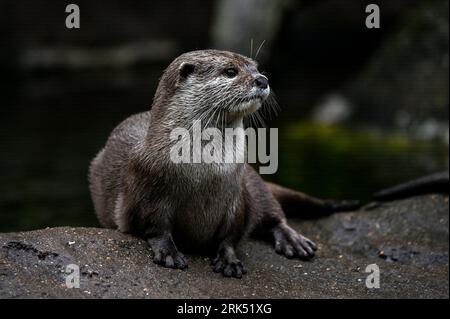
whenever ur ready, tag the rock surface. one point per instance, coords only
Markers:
(408, 240)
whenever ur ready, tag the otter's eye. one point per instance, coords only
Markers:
(230, 72)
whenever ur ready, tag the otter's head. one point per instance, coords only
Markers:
(214, 83)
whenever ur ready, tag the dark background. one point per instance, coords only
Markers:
(362, 109)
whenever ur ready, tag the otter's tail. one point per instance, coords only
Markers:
(298, 204)
(435, 183)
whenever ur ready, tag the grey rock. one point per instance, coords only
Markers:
(407, 239)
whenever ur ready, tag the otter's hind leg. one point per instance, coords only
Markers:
(298, 204)
(267, 220)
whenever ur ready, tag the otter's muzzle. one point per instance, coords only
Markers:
(261, 82)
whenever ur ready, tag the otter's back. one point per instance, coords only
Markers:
(107, 168)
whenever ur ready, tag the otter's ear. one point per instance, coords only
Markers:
(186, 69)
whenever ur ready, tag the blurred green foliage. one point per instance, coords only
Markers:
(338, 162)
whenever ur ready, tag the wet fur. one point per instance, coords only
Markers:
(137, 189)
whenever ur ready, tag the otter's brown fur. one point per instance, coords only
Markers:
(136, 188)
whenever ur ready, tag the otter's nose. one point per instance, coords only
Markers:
(261, 82)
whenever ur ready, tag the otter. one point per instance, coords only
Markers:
(137, 189)
(429, 184)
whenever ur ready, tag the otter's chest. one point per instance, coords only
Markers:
(207, 203)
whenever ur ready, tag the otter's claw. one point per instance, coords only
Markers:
(170, 259)
(233, 268)
(166, 254)
(291, 244)
(227, 263)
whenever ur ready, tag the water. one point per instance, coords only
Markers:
(52, 125)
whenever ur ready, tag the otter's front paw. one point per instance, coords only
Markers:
(166, 254)
(170, 259)
(291, 244)
(229, 266)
